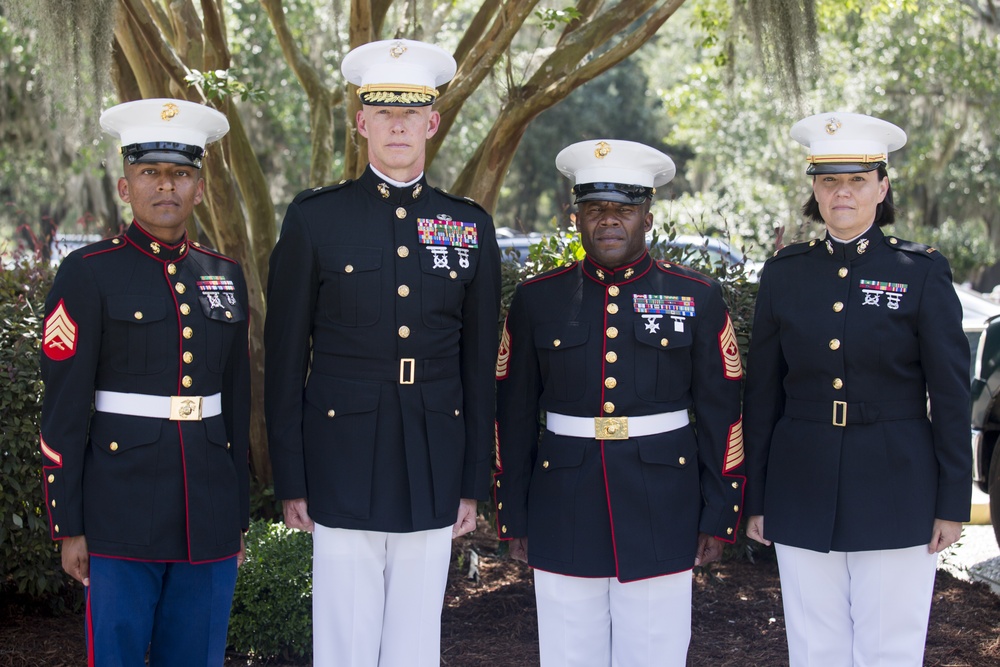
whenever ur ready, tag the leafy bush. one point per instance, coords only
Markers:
(29, 559)
(272, 606)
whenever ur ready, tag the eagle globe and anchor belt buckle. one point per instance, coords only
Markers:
(611, 428)
(185, 408)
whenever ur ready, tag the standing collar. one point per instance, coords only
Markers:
(153, 247)
(620, 275)
(856, 247)
(384, 190)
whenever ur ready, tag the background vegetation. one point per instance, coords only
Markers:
(715, 83)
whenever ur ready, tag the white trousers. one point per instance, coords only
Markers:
(858, 608)
(585, 622)
(377, 597)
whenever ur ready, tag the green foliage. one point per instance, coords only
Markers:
(966, 245)
(550, 18)
(29, 560)
(272, 605)
(221, 83)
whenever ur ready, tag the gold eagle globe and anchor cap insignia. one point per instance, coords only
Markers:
(164, 130)
(614, 170)
(847, 143)
(398, 72)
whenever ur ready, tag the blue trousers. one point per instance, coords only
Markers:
(179, 612)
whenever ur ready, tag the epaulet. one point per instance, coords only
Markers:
(466, 200)
(197, 247)
(551, 273)
(912, 247)
(306, 194)
(793, 249)
(102, 246)
(683, 271)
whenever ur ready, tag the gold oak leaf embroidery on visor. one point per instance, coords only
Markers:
(732, 367)
(734, 447)
(59, 339)
(503, 354)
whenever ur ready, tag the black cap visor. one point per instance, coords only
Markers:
(164, 151)
(842, 167)
(616, 192)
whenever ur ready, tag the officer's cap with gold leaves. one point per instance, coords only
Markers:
(847, 143)
(164, 130)
(398, 72)
(614, 170)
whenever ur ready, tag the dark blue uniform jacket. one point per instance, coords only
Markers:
(643, 339)
(849, 343)
(380, 341)
(133, 315)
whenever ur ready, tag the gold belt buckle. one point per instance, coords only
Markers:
(185, 408)
(407, 368)
(842, 407)
(611, 428)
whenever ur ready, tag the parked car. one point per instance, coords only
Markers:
(984, 339)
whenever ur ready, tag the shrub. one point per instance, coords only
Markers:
(272, 606)
(29, 559)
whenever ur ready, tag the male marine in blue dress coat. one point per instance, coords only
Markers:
(620, 495)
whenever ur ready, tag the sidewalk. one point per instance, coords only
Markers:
(976, 556)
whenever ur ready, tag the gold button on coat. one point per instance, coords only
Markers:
(736, 485)
(842, 272)
(545, 464)
(611, 357)
(457, 413)
(612, 332)
(229, 315)
(499, 506)
(185, 309)
(188, 332)
(53, 503)
(404, 331)
(609, 407)
(556, 343)
(56, 527)
(729, 531)
(453, 275)
(180, 288)
(838, 383)
(113, 446)
(682, 460)
(838, 306)
(400, 212)
(613, 290)
(51, 478)
(403, 290)
(138, 314)
(610, 383)
(612, 308)
(331, 413)
(403, 251)
(834, 344)
(188, 357)
(736, 508)
(187, 381)
(503, 530)
(498, 483)
(171, 269)
(349, 269)
(664, 342)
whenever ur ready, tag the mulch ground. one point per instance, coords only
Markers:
(490, 620)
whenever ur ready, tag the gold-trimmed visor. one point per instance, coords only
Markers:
(396, 94)
(858, 157)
